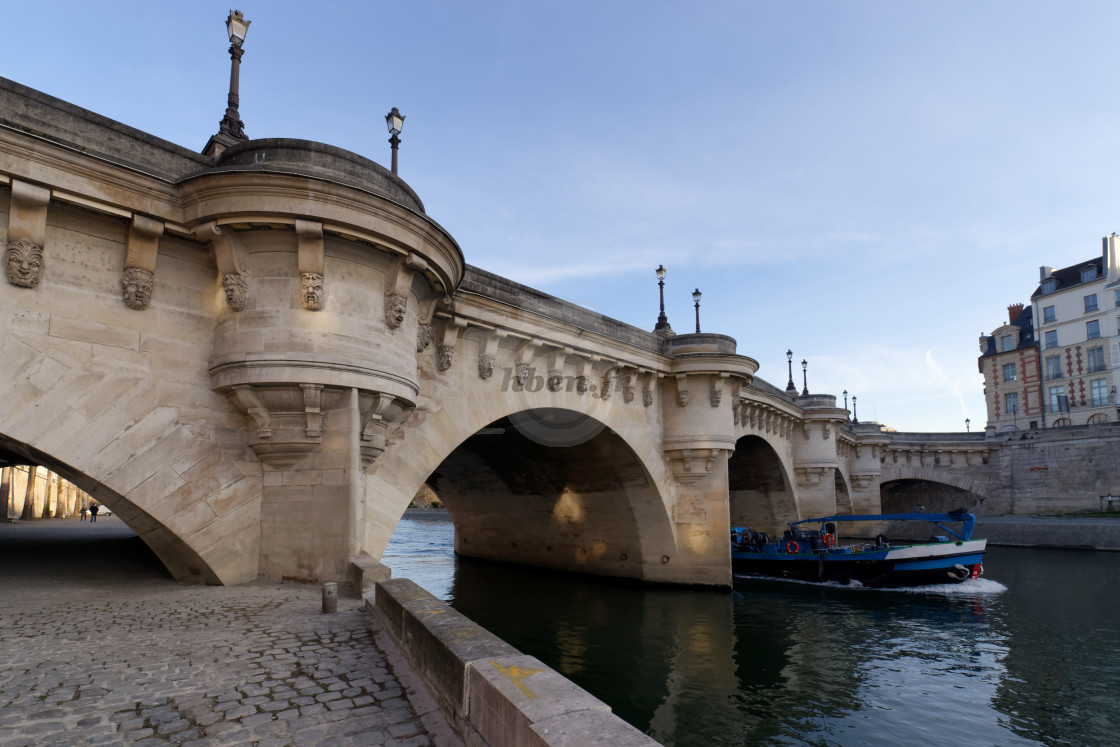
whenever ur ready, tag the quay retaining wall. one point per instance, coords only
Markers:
(1029, 531)
(490, 692)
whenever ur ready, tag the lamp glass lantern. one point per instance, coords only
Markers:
(395, 121)
(237, 27)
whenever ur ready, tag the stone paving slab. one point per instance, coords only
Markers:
(93, 659)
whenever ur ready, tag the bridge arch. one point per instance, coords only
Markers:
(597, 499)
(761, 491)
(181, 559)
(902, 488)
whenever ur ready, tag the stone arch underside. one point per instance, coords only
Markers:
(904, 489)
(181, 560)
(760, 490)
(598, 504)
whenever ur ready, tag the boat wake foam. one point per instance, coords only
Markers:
(971, 586)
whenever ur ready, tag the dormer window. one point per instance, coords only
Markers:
(1088, 273)
(1049, 285)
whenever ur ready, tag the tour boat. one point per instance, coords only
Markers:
(808, 554)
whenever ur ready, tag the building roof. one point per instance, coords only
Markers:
(1069, 277)
(1025, 322)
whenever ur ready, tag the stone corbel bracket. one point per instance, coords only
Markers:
(690, 465)
(445, 352)
(627, 376)
(682, 390)
(255, 407)
(809, 476)
(427, 313)
(584, 365)
(378, 411)
(523, 359)
(312, 265)
(288, 419)
(232, 261)
(648, 379)
(138, 280)
(716, 396)
(27, 234)
(608, 380)
(398, 284)
(556, 359)
(862, 482)
(488, 351)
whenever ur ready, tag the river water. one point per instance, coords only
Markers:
(1028, 654)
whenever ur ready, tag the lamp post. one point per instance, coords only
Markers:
(855, 416)
(696, 298)
(846, 402)
(237, 27)
(967, 425)
(805, 377)
(662, 320)
(395, 122)
(791, 388)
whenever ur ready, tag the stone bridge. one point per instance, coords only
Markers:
(257, 359)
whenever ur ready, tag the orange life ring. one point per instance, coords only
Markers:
(792, 547)
(828, 539)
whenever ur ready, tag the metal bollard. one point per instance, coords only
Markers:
(330, 598)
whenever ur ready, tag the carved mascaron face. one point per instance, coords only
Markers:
(311, 290)
(25, 263)
(396, 307)
(486, 366)
(555, 381)
(237, 291)
(136, 285)
(446, 354)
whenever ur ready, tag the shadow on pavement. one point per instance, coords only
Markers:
(70, 549)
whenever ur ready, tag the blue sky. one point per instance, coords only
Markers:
(867, 183)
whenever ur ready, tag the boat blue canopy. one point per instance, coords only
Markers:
(967, 520)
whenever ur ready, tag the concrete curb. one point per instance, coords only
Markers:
(490, 692)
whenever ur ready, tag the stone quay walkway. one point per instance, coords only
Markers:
(98, 646)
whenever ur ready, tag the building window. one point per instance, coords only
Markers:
(1099, 390)
(1118, 298)
(1090, 302)
(1093, 329)
(1049, 285)
(1011, 403)
(1009, 371)
(1052, 338)
(1096, 359)
(1054, 367)
(1058, 400)
(1089, 273)
(1048, 312)
(1005, 344)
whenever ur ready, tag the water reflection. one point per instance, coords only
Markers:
(1028, 655)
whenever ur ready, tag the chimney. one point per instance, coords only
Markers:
(1044, 272)
(1013, 311)
(1109, 263)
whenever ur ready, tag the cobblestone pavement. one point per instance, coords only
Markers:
(127, 657)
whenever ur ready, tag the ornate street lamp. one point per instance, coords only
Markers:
(696, 298)
(805, 377)
(846, 402)
(231, 130)
(237, 27)
(395, 121)
(790, 387)
(662, 320)
(967, 425)
(855, 416)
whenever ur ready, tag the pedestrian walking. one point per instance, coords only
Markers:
(93, 513)
(83, 512)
